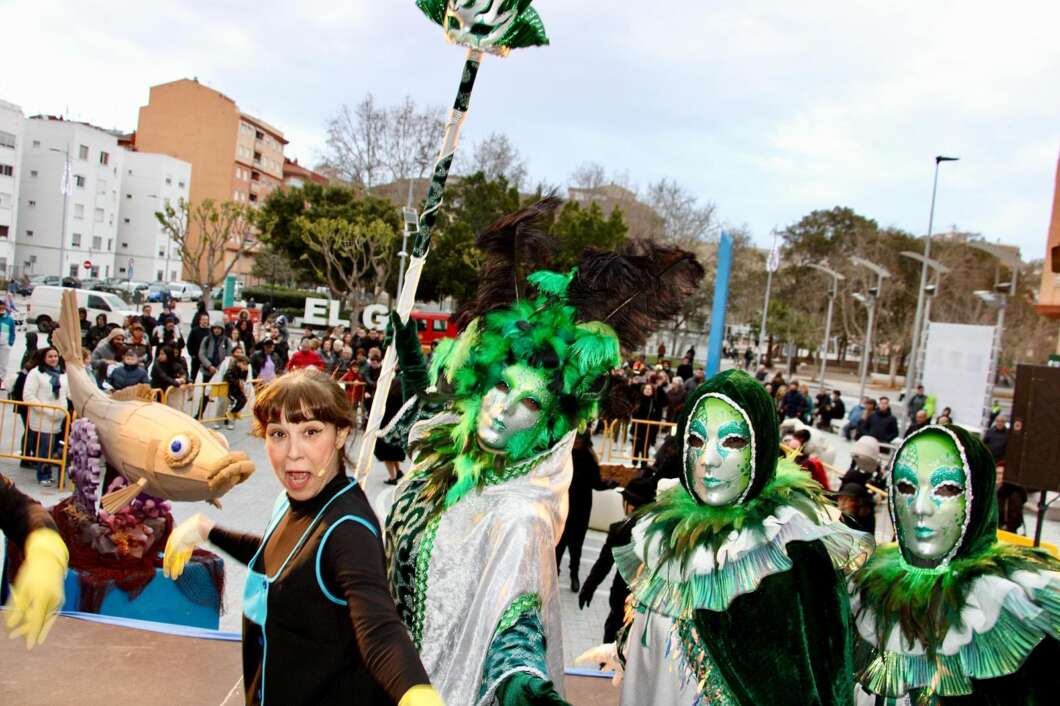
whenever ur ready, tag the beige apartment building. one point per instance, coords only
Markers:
(234, 156)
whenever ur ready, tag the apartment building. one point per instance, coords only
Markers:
(149, 182)
(234, 156)
(11, 120)
(69, 197)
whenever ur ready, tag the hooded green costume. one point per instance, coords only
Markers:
(739, 603)
(979, 624)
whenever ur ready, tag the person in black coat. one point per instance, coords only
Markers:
(882, 425)
(650, 406)
(585, 480)
(638, 492)
(199, 330)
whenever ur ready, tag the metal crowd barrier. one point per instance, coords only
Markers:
(11, 446)
(632, 441)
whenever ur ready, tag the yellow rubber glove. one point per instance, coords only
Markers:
(183, 540)
(421, 695)
(38, 589)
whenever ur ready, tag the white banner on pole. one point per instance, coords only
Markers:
(957, 369)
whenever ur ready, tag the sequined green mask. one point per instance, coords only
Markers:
(514, 406)
(718, 451)
(930, 498)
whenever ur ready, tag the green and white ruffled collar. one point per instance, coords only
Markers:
(718, 566)
(1001, 620)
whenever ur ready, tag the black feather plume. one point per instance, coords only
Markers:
(514, 247)
(634, 290)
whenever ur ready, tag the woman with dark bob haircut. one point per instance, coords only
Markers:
(319, 625)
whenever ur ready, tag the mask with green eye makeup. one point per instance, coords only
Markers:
(718, 458)
(512, 406)
(930, 497)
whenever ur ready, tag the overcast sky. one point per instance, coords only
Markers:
(770, 110)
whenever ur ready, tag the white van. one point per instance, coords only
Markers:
(44, 303)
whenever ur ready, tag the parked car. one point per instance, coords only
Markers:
(38, 280)
(91, 283)
(158, 292)
(71, 282)
(185, 291)
(44, 304)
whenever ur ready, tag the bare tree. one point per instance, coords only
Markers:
(410, 139)
(352, 253)
(588, 175)
(355, 144)
(496, 156)
(686, 221)
(205, 234)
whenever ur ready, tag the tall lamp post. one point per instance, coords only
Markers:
(1009, 256)
(65, 188)
(772, 265)
(869, 300)
(910, 371)
(832, 291)
(914, 371)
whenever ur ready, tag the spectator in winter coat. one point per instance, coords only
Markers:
(168, 370)
(799, 440)
(585, 479)
(638, 492)
(108, 352)
(130, 373)
(793, 403)
(7, 340)
(199, 331)
(920, 420)
(996, 438)
(147, 321)
(46, 385)
(651, 404)
(215, 347)
(167, 334)
(882, 424)
(265, 362)
(235, 376)
(246, 333)
(306, 357)
(859, 510)
(917, 401)
(96, 333)
(139, 342)
(863, 424)
(169, 313)
(684, 370)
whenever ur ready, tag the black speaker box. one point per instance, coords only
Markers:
(1033, 455)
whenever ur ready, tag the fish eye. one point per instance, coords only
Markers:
(181, 449)
(905, 487)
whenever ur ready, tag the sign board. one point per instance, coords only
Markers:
(322, 312)
(87, 264)
(374, 317)
(957, 369)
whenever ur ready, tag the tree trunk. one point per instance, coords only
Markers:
(895, 357)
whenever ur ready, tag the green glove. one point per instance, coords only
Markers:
(38, 589)
(525, 689)
(406, 340)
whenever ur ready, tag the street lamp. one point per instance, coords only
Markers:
(832, 291)
(65, 188)
(918, 318)
(931, 291)
(869, 300)
(1009, 256)
(772, 265)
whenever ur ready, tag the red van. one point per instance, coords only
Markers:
(433, 326)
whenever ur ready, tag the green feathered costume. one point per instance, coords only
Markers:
(981, 628)
(472, 532)
(740, 603)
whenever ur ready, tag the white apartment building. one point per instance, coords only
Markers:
(60, 228)
(149, 181)
(11, 121)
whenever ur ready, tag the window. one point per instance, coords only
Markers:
(97, 242)
(104, 158)
(36, 144)
(126, 220)
(79, 181)
(121, 270)
(4, 231)
(33, 259)
(111, 219)
(180, 185)
(128, 196)
(125, 245)
(82, 152)
(101, 187)
(169, 180)
(161, 253)
(5, 200)
(110, 244)
(99, 215)
(3, 265)
(29, 234)
(73, 270)
(438, 325)
(33, 174)
(106, 270)
(76, 240)
(79, 210)
(7, 170)
(7, 139)
(159, 276)
(32, 203)
(95, 270)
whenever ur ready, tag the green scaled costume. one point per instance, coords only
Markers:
(735, 594)
(948, 615)
(472, 532)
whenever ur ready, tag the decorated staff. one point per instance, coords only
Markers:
(493, 26)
